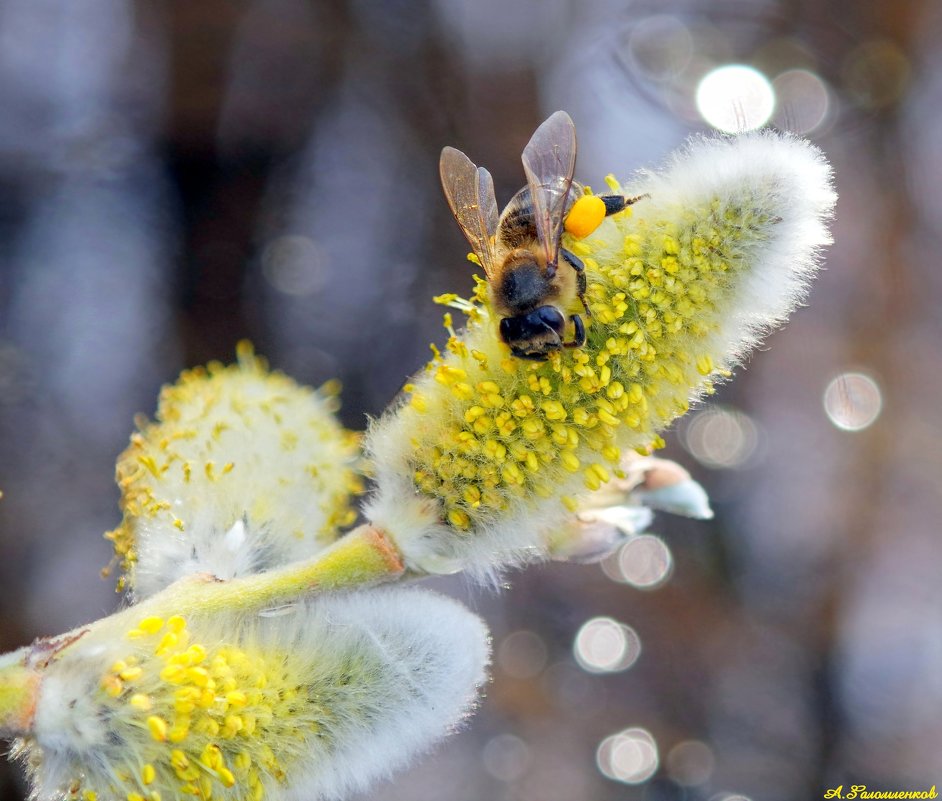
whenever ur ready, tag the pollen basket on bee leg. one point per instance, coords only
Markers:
(585, 216)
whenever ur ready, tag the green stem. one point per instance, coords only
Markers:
(363, 557)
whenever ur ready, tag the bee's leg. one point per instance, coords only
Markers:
(617, 203)
(577, 265)
(579, 341)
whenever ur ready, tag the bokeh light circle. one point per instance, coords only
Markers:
(604, 645)
(735, 98)
(661, 46)
(876, 73)
(803, 101)
(506, 757)
(629, 756)
(721, 437)
(294, 264)
(644, 562)
(690, 763)
(522, 654)
(853, 401)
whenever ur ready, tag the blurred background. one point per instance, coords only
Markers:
(176, 176)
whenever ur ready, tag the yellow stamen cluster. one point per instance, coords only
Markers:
(208, 716)
(238, 443)
(515, 430)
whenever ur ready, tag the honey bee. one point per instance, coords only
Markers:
(519, 250)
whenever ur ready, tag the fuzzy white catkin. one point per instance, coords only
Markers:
(782, 175)
(752, 209)
(435, 653)
(383, 675)
(242, 470)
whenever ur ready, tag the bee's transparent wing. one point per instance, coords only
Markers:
(549, 161)
(470, 193)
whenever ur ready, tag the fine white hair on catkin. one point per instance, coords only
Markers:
(165, 555)
(432, 655)
(780, 174)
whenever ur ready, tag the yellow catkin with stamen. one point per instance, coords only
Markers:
(242, 706)
(233, 445)
(206, 737)
(668, 286)
(655, 288)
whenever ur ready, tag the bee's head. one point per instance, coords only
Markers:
(534, 334)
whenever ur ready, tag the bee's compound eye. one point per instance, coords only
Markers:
(509, 329)
(553, 317)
